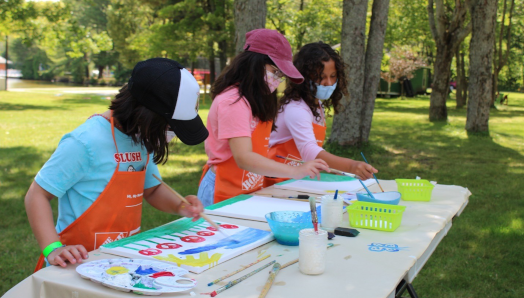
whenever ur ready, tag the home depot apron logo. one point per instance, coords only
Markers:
(251, 180)
(105, 238)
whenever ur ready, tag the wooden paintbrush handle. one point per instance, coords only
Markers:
(202, 214)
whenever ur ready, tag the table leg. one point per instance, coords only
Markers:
(402, 287)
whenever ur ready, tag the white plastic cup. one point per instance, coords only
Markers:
(312, 248)
(331, 217)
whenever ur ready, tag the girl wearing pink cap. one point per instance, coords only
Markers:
(241, 117)
(300, 125)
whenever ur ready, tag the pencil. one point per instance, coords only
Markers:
(361, 153)
(239, 270)
(270, 280)
(202, 214)
(240, 279)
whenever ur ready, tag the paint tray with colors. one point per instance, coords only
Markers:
(375, 216)
(195, 246)
(143, 277)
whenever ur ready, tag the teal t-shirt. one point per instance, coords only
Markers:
(83, 164)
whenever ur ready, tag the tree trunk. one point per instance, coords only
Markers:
(448, 31)
(464, 80)
(211, 60)
(483, 15)
(494, 88)
(440, 89)
(499, 57)
(346, 124)
(460, 86)
(86, 58)
(100, 72)
(249, 15)
(374, 53)
(222, 55)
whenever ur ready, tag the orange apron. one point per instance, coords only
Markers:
(230, 179)
(114, 215)
(289, 149)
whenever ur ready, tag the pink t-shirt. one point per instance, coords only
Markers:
(295, 121)
(228, 118)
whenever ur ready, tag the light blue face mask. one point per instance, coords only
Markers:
(324, 92)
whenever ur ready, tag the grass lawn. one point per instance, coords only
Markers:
(482, 255)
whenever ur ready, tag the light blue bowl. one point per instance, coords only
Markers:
(388, 197)
(285, 225)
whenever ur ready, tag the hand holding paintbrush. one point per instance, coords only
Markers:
(202, 214)
(331, 170)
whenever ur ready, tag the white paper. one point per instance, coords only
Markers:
(256, 208)
(326, 187)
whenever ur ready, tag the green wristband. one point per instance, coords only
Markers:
(51, 247)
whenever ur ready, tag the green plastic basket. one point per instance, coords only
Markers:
(375, 216)
(414, 190)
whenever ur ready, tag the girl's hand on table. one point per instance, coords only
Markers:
(193, 210)
(311, 169)
(71, 253)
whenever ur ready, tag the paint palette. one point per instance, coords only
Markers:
(144, 277)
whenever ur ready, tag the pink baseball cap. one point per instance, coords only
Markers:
(275, 45)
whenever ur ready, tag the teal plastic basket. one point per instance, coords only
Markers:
(415, 189)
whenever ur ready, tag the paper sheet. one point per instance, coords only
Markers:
(327, 187)
(256, 207)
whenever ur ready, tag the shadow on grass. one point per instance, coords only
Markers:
(18, 166)
(23, 107)
(86, 100)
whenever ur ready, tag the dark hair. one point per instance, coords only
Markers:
(247, 71)
(309, 61)
(144, 126)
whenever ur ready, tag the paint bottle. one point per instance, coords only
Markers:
(312, 251)
(331, 211)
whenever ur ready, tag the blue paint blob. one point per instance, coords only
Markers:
(378, 247)
(146, 271)
(240, 239)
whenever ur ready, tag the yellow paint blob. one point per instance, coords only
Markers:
(203, 260)
(117, 270)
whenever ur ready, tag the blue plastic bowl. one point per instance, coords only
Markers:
(388, 197)
(285, 225)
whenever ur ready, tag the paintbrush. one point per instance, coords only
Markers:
(297, 198)
(270, 280)
(369, 193)
(361, 153)
(237, 271)
(335, 171)
(314, 219)
(240, 279)
(202, 214)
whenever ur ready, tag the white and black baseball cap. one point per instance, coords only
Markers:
(168, 89)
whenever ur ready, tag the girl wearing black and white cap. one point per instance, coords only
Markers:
(241, 117)
(99, 200)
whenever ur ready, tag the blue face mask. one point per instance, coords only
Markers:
(324, 92)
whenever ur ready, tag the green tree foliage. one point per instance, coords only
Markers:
(306, 21)
(408, 25)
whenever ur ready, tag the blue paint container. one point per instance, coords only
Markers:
(388, 197)
(286, 225)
